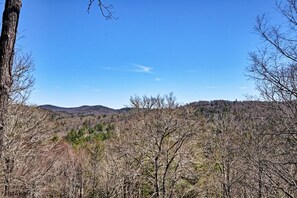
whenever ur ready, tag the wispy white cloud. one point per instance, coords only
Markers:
(242, 88)
(142, 69)
(113, 69)
(158, 79)
(132, 68)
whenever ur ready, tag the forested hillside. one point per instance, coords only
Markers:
(203, 149)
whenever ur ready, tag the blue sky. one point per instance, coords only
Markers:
(197, 49)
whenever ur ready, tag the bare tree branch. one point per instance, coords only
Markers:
(105, 9)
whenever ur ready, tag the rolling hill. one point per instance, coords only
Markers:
(82, 110)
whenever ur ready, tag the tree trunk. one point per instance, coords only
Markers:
(260, 185)
(10, 21)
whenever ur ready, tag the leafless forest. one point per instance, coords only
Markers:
(156, 147)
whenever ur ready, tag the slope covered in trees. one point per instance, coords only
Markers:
(159, 149)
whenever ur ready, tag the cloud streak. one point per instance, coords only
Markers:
(137, 68)
(142, 69)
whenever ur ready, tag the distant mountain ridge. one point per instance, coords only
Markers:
(82, 110)
(202, 106)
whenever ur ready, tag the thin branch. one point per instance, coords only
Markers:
(105, 9)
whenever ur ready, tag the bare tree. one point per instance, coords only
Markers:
(22, 78)
(274, 69)
(95, 151)
(154, 147)
(26, 144)
(228, 162)
(27, 133)
(10, 21)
